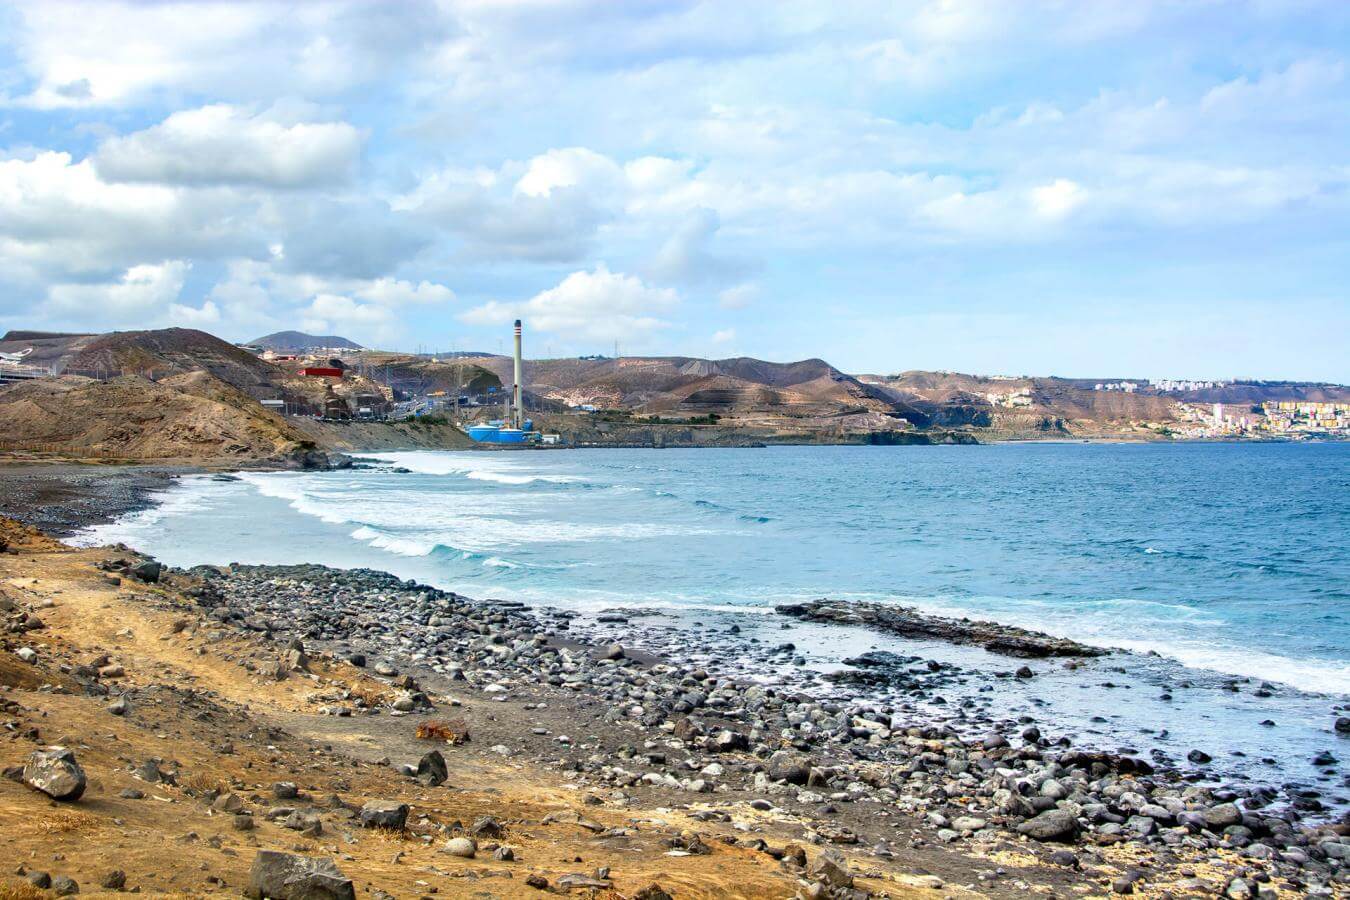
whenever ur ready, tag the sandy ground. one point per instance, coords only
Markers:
(220, 727)
(203, 704)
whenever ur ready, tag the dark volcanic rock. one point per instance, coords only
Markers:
(384, 814)
(1051, 825)
(55, 772)
(284, 876)
(911, 623)
(431, 769)
(785, 766)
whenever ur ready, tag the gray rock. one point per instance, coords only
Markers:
(55, 773)
(148, 572)
(1220, 817)
(285, 876)
(431, 769)
(384, 814)
(1051, 825)
(64, 886)
(785, 766)
(119, 707)
(831, 869)
(581, 880)
(486, 827)
(463, 847)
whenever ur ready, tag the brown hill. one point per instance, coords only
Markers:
(188, 416)
(154, 354)
(1069, 404)
(686, 386)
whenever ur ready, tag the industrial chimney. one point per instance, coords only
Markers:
(517, 408)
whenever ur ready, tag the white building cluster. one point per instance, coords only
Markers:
(1170, 384)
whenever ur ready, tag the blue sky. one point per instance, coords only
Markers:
(1145, 189)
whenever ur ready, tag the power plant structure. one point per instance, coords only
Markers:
(517, 400)
(513, 427)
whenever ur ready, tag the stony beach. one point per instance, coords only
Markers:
(378, 719)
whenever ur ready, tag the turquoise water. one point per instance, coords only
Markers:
(1207, 561)
(1226, 557)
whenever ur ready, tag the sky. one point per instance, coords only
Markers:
(1087, 188)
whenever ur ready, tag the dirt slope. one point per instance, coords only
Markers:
(188, 416)
(203, 712)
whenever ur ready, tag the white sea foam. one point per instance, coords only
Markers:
(394, 544)
(505, 478)
(1142, 626)
(190, 494)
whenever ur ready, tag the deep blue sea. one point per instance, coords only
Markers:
(1223, 559)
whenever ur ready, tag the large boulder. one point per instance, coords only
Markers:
(1051, 825)
(285, 876)
(1217, 818)
(384, 814)
(431, 769)
(789, 767)
(148, 572)
(55, 772)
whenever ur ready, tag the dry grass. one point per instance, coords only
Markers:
(66, 823)
(372, 696)
(20, 890)
(452, 731)
(200, 782)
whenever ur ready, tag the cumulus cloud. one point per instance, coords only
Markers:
(687, 255)
(351, 237)
(392, 292)
(223, 144)
(144, 290)
(194, 316)
(724, 336)
(58, 218)
(738, 296)
(401, 159)
(118, 53)
(598, 305)
(545, 222)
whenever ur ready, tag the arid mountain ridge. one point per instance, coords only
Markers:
(183, 393)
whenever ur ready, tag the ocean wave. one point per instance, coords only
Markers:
(189, 494)
(506, 478)
(1142, 626)
(403, 546)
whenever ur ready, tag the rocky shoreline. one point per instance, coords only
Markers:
(854, 773)
(909, 623)
(61, 498)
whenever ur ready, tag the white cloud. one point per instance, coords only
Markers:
(569, 167)
(392, 292)
(206, 314)
(57, 218)
(334, 313)
(1057, 199)
(118, 53)
(687, 255)
(724, 336)
(222, 144)
(142, 291)
(738, 296)
(552, 222)
(599, 305)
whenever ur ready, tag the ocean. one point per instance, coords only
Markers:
(1210, 563)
